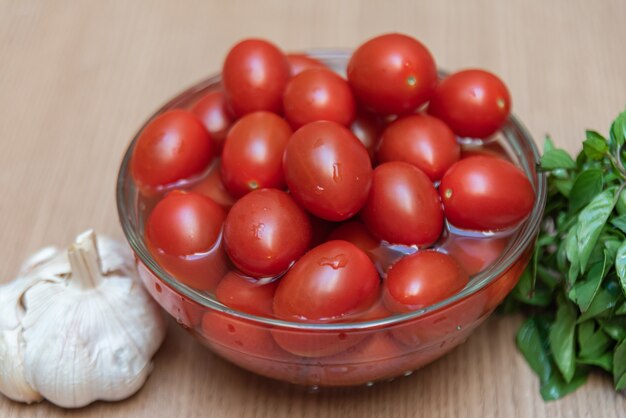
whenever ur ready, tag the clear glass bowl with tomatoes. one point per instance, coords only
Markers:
(251, 247)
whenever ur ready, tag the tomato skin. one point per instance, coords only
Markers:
(265, 231)
(318, 94)
(302, 62)
(245, 294)
(253, 153)
(422, 279)
(473, 103)
(185, 223)
(213, 187)
(486, 194)
(475, 254)
(237, 334)
(333, 279)
(392, 74)
(254, 75)
(173, 146)
(217, 118)
(368, 128)
(403, 206)
(420, 140)
(328, 171)
(355, 232)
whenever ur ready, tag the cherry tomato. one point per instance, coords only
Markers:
(403, 206)
(330, 281)
(486, 194)
(212, 186)
(246, 294)
(328, 170)
(237, 334)
(173, 146)
(301, 62)
(491, 149)
(318, 94)
(253, 153)
(421, 140)
(355, 233)
(422, 279)
(185, 223)
(266, 231)
(255, 74)
(473, 103)
(392, 74)
(475, 254)
(368, 128)
(217, 118)
(315, 343)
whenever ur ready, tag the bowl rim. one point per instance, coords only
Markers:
(526, 233)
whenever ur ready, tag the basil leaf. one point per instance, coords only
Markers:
(585, 291)
(562, 338)
(620, 265)
(564, 186)
(595, 146)
(614, 328)
(555, 387)
(556, 158)
(601, 303)
(618, 130)
(591, 220)
(533, 345)
(611, 247)
(526, 292)
(619, 222)
(548, 144)
(587, 185)
(605, 361)
(591, 342)
(621, 310)
(619, 366)
(571, 249)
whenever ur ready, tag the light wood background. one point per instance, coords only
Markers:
(77, 78)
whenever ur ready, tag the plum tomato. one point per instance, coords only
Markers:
(327, 170)
(266, 231)
(315, 343)
(254, 75)
(237, 334)
(422, 279)
(301, 62)
(486, 194)
(473, 103)
(355, 233)
(392, 74)
(318, 94)
(213, 187)
(217, 118)
(421, 140)
(171, 147)
(331, 280)
(403, 206)
(253, 153)
(475, 253)
(185, 223)
(368, 128)
(246, 294)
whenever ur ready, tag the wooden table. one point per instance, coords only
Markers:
(78, 78)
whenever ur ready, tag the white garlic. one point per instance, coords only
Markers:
(76, 326)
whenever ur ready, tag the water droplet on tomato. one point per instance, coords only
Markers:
(257, 230)
(335, 262)
(337, 172)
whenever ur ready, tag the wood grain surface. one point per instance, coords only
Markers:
(77, 78)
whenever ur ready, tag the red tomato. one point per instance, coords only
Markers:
(421, 140)
(355, 233)
(498, 289)
(266, 231)
(491, 149)
(422, 279)
(392, 74)
(214, 113)
(301, 62)
(173, 146)
(315, 343)
(185, 223)
(237, 334)
(475, 254)
(403, 206)
(318, 94)
(486, 194)
(368, 128)
(253, 153)
(255, 74)
(473, 103)
(330, 281)
(246, 294)
(328, 170)
(212, 186)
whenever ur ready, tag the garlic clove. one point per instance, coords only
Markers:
(12, 378)
(38, 259)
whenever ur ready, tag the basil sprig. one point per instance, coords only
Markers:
(574, 289)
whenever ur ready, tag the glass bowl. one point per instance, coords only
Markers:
(332, 354)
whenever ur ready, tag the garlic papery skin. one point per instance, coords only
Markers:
(88, 329)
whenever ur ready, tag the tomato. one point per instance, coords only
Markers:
(392, 74)
(333, 279)
(301, 62)
(491, 149)
(237, 334)
(318, 94)
(314, 343)
(266, 231)
(368, 128)
(254, 75)
(217, 118)
(245, 294)
(421, 140)
(253, 153)
(486, 194)
(475, 253)
(499, 288)
(403, 206)
(422, 279)
(355, 233)
(213, 187)
(173, 146)
(473, 103)
(185, 223)
(328, 170)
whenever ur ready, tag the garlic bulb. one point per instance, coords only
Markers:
(76, 326)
